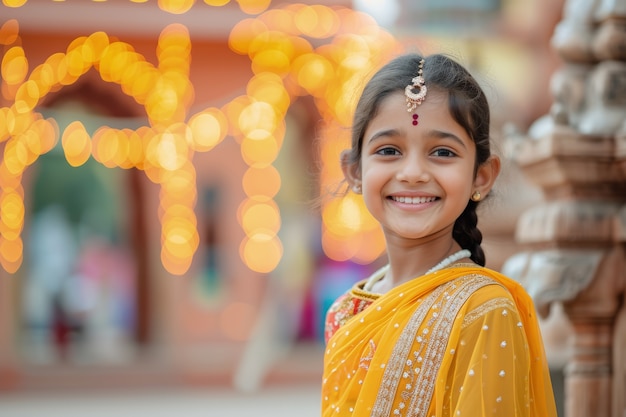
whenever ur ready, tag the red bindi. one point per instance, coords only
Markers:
(415, 117)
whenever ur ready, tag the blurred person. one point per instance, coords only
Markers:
(107, 276)
(434, 332)
(53, 320)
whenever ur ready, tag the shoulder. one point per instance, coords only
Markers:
(492, 299)
(490, 292)
(343, 309)
(482, 283)
(488, 283)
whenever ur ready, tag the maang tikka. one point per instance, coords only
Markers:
(416, 93)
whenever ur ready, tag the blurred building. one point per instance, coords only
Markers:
(205, 254)
(95, 298)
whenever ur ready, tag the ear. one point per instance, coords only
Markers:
(486, 175)
(351, 170)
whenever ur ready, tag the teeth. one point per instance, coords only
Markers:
(414, 200)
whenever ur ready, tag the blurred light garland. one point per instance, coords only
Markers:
(286, 64)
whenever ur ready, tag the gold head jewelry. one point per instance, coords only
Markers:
(416, 93)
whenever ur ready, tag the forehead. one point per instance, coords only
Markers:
(435, 100)
(432, 114)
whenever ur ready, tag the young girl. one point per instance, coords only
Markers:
(434, 333)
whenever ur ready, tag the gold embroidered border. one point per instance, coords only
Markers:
(450, 297)
(481, 310)
(359, 292)
(397, 360)
(422, 393)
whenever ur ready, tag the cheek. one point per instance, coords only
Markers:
(463, 191)
(373, 204)
(459, 179)
(370, 179)
(373, 178)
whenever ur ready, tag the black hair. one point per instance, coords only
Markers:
(468, 106)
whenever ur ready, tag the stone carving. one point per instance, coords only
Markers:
(576, 237)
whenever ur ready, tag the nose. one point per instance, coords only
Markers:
(413, 169)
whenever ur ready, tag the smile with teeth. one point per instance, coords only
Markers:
(413, 200)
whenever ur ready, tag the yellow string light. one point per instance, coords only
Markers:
(284, 63)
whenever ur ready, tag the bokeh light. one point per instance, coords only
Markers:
(176, 6)
(208, 128)
(294, 49)
(76, 144)
(9, 32)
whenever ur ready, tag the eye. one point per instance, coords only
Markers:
(444, 153)
(388, 151)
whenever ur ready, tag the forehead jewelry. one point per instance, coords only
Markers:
(416, 93)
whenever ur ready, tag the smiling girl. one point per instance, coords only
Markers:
(434, 332)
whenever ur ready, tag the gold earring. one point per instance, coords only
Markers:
(476, 196)
(356, 189)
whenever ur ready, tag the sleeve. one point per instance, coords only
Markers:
(343, 309)
(489, 375)
(335, 315)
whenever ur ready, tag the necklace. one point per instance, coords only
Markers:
(378, 275)
(464, 253)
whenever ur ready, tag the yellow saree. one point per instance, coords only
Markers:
(463, 341)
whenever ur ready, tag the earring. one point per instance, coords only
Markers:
(476, 196)
(356, 189)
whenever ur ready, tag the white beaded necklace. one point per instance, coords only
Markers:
(463, 253)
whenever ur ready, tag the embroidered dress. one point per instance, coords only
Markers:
(463, 341)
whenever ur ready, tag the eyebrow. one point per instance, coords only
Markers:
(384, 133)
(434, 133)
(442, 135)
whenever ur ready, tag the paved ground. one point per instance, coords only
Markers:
(276, 401)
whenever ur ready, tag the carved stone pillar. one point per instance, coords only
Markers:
(619, 352)
(576, 237)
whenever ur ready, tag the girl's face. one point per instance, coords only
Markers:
(416, 179)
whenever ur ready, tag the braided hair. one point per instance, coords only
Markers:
(468, 106)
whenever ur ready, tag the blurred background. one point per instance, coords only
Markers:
(171, 230)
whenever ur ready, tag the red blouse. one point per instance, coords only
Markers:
(345, 307)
